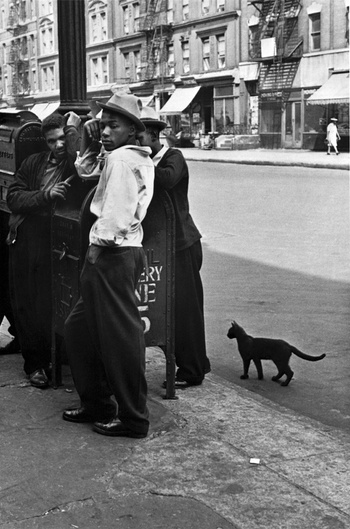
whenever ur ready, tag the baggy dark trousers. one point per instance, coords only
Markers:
(30, 290)
(190, 348)
(104, 337)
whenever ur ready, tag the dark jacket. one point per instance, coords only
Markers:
(172, 174)
(24, 196)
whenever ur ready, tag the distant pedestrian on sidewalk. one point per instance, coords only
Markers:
(332, 136)
(171, 173)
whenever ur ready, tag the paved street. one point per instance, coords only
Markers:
(276, 259)
(228, 454)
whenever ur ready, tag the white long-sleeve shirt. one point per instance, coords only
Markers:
(123, 194)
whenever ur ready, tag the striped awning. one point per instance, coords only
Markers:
(179, 100)
(335, 90)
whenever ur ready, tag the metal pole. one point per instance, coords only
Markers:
(72, 56)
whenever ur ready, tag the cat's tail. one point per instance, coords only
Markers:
(305, 356)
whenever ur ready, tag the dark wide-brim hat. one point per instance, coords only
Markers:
(151, 118)
(127, 105)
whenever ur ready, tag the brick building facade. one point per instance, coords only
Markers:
(262, 69)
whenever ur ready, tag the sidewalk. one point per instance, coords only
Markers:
(194, 470)
(294, 157)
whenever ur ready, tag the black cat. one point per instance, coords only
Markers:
(258, 349)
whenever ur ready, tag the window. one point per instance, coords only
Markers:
(45, 8)
(99, 70)
(48, 78)
(315, 31)
(170, 12)
(205, 6)
(221, 47)
(34, 81)
(254, 40)
(206, 54)
(126, 20)
(171, 60)
(126, 60)
(185, 9)
(185, 56)
(220, 5)
(47, 40)
(136, 16)
(137, 63)
(98, 26)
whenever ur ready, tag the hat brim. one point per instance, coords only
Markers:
(155, 123)
(120, 110)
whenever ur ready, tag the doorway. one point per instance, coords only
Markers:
(292, 125)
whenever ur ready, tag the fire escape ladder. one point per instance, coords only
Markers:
(18, 53)
(156, 31)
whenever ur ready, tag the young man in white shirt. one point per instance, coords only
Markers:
(104, 333)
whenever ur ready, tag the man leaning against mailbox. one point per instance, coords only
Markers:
(39, 183)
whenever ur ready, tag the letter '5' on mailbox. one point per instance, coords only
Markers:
(20, 136)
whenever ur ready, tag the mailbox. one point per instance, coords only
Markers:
(20, 136)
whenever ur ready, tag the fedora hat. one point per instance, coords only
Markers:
(151, 118)
(334, 119)
(126, 104)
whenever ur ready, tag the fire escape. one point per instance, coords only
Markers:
(17, 54)
(277, 45)
(157, 35)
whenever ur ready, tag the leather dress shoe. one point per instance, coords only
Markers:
(38, 379)
(80, 415)
(182, 384)
(115, 428)
(10, 348)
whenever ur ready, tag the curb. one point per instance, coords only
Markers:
(270, 162)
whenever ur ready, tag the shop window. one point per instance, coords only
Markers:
(185, 46)
(221, 47)
(315, 118)
(206, 54)
(270, 118)
(315, 31)
(224, 115)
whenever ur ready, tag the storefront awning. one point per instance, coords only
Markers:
(146, 100)
(335, 90)
(179, 100)
(42, 110)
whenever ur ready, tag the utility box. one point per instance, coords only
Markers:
(20, 136)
